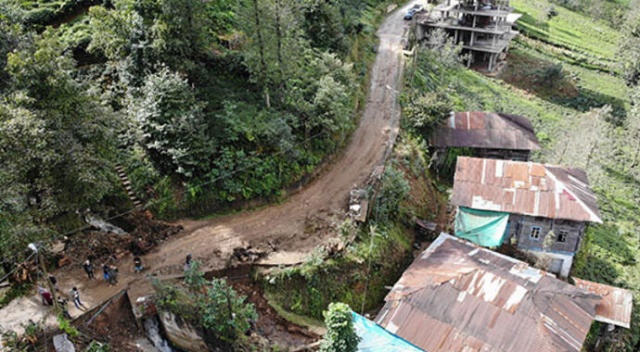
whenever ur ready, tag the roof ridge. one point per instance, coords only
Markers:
(592, 215)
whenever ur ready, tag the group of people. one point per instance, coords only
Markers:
(110, 275)
(110, 272)
(47, 298)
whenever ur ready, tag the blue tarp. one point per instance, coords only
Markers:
(486, 228)
(375, 338)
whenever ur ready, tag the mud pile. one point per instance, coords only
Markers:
(143, 234)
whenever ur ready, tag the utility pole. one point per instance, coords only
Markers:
(52, 289)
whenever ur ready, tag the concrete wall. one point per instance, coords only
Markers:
(520, 227)
(559, 264)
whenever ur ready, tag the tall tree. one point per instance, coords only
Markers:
(172, 125)
(55, 142)
(274, 43)
(633, 123)
(341, 335)
(629, 50)
(149, 33)
(322, 96)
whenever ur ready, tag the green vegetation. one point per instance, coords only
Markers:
(211, 305)
(341, 335)
(581, 37)
(204, 106)
(584, 116)
(375, 255)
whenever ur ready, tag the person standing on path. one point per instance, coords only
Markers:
(137, 264)
(187, 263)
(88, 268)
(105, 272)
(63, 306)
(76, 298)
(47, 297)
(112, 272)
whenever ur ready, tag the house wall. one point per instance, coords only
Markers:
(505, 154)
(520, 228)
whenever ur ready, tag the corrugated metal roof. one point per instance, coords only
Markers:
(477, 129)
(524, 188)
(616, 305)
(457, 296)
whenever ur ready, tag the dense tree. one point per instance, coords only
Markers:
(172, 125)
(629, 50)
(149, 33)
(340, 335)
(274, 42)
(55, 141)
(11, 35)
(323, 25)
(322, 96)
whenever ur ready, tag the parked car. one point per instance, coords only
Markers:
(412, 11)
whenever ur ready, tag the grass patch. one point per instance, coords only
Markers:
(315, 325)
(570, 30)
(580, 89)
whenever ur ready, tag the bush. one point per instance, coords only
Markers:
(211, 305)
(341, 335)
(427, 112)
(393, 191)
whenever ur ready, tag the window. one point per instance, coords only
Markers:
(562, 236)
(535, 232)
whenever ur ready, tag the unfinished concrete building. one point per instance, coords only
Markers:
(483, 27)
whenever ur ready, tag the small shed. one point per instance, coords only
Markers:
(489, 134)
(549, 206)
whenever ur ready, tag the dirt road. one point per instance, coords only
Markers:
(294, 227)
(298, 225)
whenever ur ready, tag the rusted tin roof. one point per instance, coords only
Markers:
(524, 188)
(477, 129)
(615, 307)
(457, 296)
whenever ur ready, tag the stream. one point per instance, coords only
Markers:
(152, 329)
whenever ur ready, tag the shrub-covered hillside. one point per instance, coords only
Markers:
(205, 103)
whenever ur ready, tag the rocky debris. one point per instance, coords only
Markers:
(181, 333)
(62, 344)
(113, 322)
(146, 233)
(249, 254)
(334, 246)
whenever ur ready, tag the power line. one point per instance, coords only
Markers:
(17, 266)
(155, 201)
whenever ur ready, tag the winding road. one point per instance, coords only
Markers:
(295, 227)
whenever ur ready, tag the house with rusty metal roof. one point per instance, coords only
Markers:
(488, 134)
(457, 296)
(543, 209)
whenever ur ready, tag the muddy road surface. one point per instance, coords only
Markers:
(291, 229)
(304, 221)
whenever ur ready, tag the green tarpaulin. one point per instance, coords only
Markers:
(486, 228)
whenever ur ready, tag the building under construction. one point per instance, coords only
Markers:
(483, 27)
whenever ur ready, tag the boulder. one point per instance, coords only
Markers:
(62, 344)
(181, 333)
